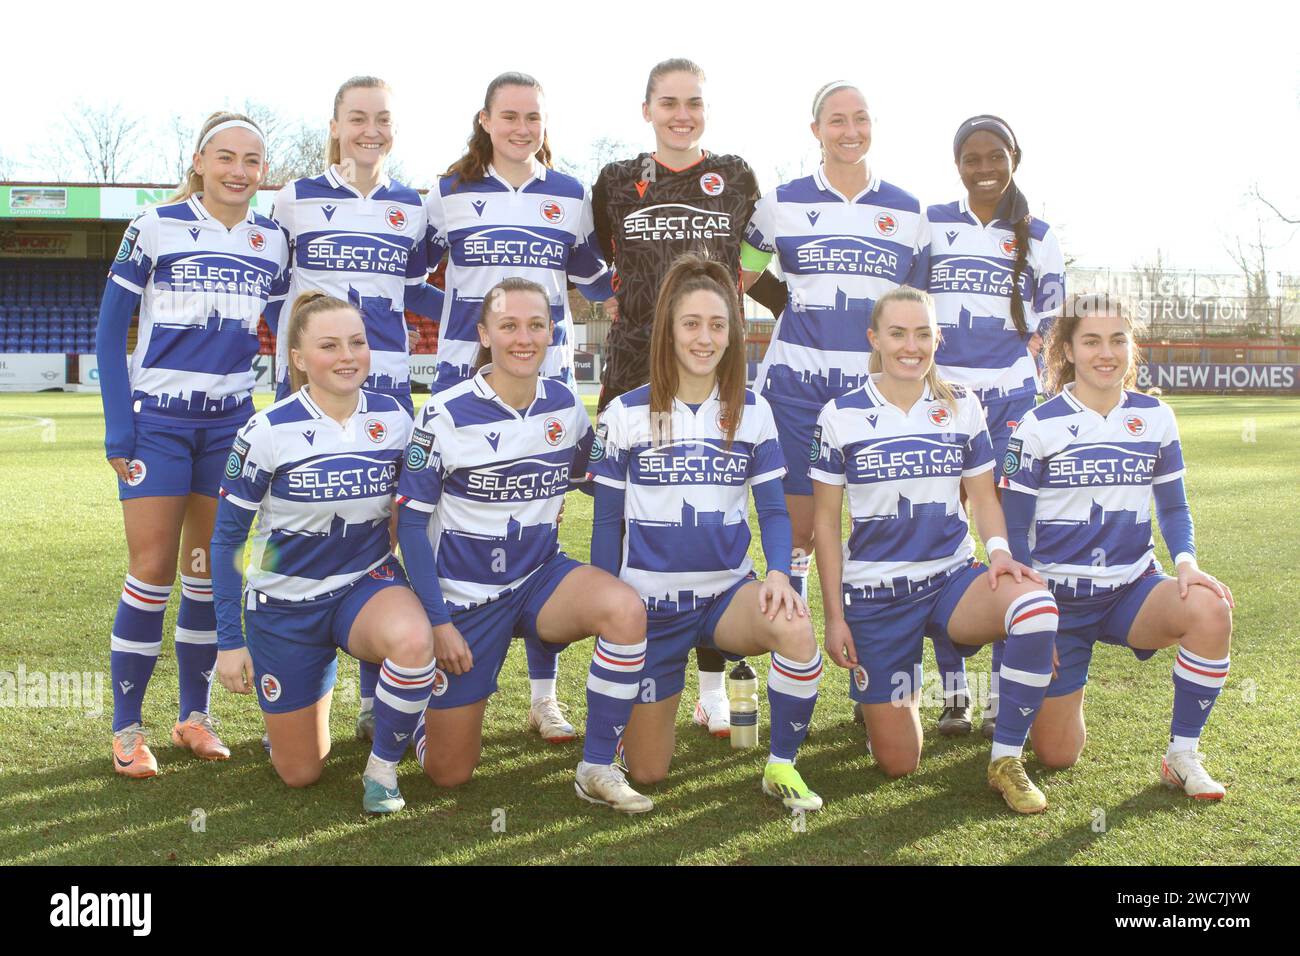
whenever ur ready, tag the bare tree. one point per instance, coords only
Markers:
(7, 167)
(106, 139)
(601, 152)
(1254, 191)
(1251, 257)
(184, 138)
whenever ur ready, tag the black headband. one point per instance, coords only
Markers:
(991, 124)
(1013, 207)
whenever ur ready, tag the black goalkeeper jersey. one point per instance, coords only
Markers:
(646, 216)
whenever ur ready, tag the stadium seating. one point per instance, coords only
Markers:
(52, 306)
(49, 306)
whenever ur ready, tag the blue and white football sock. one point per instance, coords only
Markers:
(1026, 670)
(612, 684)
(800, 565)
(366, 683)
(1197, 683)
(196, 645)
(135, 644)
(792, 696)
(401, 697)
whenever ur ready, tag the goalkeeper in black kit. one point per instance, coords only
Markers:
(648, 211)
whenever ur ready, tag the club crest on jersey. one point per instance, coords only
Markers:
(439, 682)
(1008, 245)
(939, 415)
(712, 184)
(135, 472)
(395, 218)
(376, 430)
(270, 688)
(554, 430)
(1011, 460)
(256, 241)
(383, 573)
(1135, 425)
(886, 224)
(552, 212)
(860, 679)
(723, 421)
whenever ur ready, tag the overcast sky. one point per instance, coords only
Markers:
(1144, 125)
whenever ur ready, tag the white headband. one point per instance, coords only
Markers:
(232, 124)
(833, 87)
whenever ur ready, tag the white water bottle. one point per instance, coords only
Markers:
(743, 702)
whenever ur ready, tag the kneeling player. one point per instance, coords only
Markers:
(905, 444)
(320, 468)
(1078, 480)
(486, 472)
(676, 460)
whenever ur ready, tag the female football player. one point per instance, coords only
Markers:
(996, 274)
(200, 269)
(1078, 479)
(319, 468)
(904, 445)
(674, 463)
(649, 210)
(844, 238)
(359, 236)
(500, 211)
(487, 469)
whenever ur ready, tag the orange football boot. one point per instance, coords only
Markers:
(131, 755)
(196, 735)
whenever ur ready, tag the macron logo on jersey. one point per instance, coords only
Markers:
(479, 205)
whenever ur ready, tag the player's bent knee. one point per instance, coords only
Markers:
(299, 775)
(646, 774)
(1058, 756)
(625, 619)
(899, 765)
(411, 642)
(449, 776)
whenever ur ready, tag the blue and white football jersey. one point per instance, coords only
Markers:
(1093, 477)
(839, 256)
(494, 480)
(203, 288)
(323, 492)
(364, 250)
(903, 471)
(971, 267)
(541, 231)
(686, 498)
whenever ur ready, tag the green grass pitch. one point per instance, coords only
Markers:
(62, 559)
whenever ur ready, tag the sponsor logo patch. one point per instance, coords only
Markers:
(238, 455)
(1011, 460)
(128, 243)
(419, 451)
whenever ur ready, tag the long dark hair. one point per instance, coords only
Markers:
(478, 148)
(688, 274)
(492, 303)
(1060, 370)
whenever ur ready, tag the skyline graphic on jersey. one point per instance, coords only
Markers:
(925, 531)
(698, 541)
(1104, 539)
(493, 559)
(300, 554)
